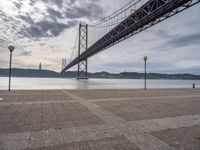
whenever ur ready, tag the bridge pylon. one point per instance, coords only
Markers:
(82, 47)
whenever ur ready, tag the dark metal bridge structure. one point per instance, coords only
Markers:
(149, 14)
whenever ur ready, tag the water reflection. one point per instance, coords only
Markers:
(57, 83)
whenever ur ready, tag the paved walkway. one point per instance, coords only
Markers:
(100, 120)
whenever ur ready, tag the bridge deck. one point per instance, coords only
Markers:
(100, 119)
(151, 13)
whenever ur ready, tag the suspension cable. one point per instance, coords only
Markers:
(74, 47)
(116, 13)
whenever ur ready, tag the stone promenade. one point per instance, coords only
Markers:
(167, 119)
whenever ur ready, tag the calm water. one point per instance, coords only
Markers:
(54, 83)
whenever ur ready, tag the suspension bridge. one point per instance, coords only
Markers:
(133, 18)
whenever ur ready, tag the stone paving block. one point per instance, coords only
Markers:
(69, 146)
(62, 121)
(150, 109)
(12, 142)
(22, 128)
(164, 123)
(187, 138)
(4, 118)
(3, 109)
(30, 92)
(35, 97)
(58, 147)
(50, 126)
(45, 139)
(36, 127)
(8, 128)
(11, 110)
(46, 116)
(81, 145)
(86, 133)
(75, 114)
(113, 143)
(100, 94)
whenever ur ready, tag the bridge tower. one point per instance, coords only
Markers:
(82, 46)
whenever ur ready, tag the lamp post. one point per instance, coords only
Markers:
(145, 72)
(11, 49)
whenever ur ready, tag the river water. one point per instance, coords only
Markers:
(59, 83)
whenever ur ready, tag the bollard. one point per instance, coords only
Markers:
(193, 86)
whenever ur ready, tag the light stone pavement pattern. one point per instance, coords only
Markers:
(100, 119)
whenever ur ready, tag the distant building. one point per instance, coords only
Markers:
(40, 66)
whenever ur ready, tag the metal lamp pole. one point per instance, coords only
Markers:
(11, 49)
(145, 72)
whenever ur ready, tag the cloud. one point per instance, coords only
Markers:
(59, 3)
(3, 63)
(26, 18)
(42, 44)
(45, 29)
(53, 21)
(18, 4)
(32, 2)
(89, 10)
(3, 42)
(185, 40)
(26, 53)
(54, 14)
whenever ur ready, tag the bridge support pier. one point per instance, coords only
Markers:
(82, 46)
(82, 70)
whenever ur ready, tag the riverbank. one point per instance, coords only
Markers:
(100, 119)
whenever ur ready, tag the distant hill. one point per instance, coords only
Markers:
(72, 74)
(29, 73)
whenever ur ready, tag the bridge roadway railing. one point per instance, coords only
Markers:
(151, 13)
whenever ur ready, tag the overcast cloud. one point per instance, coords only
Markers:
(45, 31)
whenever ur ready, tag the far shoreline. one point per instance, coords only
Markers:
(34, 73)
(99, 78)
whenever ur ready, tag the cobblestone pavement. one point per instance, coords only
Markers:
(165, 119)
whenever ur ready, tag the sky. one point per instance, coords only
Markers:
(45, 31)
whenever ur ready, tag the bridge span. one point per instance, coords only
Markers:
(149, 14)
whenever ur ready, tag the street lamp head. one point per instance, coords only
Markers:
(145, 58)
(11, 48)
